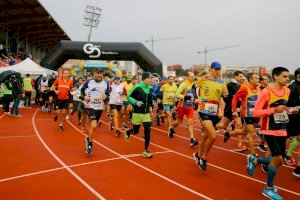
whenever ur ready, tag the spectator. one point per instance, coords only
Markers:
(28, 84)
(17, 92)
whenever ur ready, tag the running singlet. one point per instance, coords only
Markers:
(64, 87)
(211, 92)
(169, 92)
(44, 85)
(185, 89)
(95, 90)
(127, 87)
(115, 94)
(251, 98)
(277, 121)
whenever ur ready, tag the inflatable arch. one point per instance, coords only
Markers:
(131, 51)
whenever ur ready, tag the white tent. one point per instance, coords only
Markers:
(28, 67)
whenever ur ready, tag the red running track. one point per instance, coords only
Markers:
(40, 162)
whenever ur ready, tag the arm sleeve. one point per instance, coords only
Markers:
(259, 110)
(129, 96)
(179, 91)
(239, 95)
(83, 88)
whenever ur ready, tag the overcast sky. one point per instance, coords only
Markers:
(268, 31)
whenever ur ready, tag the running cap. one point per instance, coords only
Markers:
(146, 75)
(215, 65)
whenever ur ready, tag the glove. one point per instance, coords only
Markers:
(139, 103)
(187, 97)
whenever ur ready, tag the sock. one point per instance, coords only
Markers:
(293, 146)
(264, 160)
(271, 176)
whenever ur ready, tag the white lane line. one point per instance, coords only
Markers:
(17, 136)
(2, 115)
(218, 167)
(217, 147)
(145, 168)
(62, 163)
(75, 165)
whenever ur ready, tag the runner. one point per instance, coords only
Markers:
(62, 87)
(44, 90)
(271, 107)
(169, 91)
(293, 128)
(186, 105)
(212, 89)
(28, 84)
(248, 94)
(126, 109)
(141, 98)
(76, 100)
(232, 87)
(115, 101)
(94, 92)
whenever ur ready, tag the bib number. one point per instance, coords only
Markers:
(281, 118)
(96, 101)
(211, 108)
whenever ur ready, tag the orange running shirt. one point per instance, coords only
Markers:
(63, 87)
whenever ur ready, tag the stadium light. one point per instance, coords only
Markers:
(92, 15)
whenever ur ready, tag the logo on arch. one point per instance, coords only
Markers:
(92, 50)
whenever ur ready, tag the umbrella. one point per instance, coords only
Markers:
(4, 75)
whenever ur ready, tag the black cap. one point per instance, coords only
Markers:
(146, 75)
(98, 71)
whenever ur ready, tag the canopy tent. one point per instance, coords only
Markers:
(28, 67)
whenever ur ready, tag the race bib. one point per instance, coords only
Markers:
(96, 100)
(281, 118)
(211, 108)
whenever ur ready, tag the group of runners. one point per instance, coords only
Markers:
(247, 107)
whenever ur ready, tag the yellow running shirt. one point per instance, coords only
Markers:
(128, 87)
(169, 92)
(211, 92)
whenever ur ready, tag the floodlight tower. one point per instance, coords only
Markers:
(92, 16)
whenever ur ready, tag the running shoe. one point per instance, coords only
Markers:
(55, 118)
(260, 135)
(290, 160)
(118, 133)
(193, 142)
(202, 164)
(60, 128)
(251, 165)
(147, 154)
(67, 117)
(124, 126)
(241, 148)
(262, 148)
(226, 136)
(88, 146)
(79, 122)
(296, 171)
(127, 135)
(18, 116)
(111, 125)
(197, 159)
(271, 194)
(171, 132)
(264, 168)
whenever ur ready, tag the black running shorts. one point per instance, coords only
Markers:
(115, 107)
(276, 145)
(61, 104)
(250, 120)
(213, 118)
(94, 114)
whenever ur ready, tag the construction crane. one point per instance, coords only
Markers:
(217, 49)
(152, 40)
